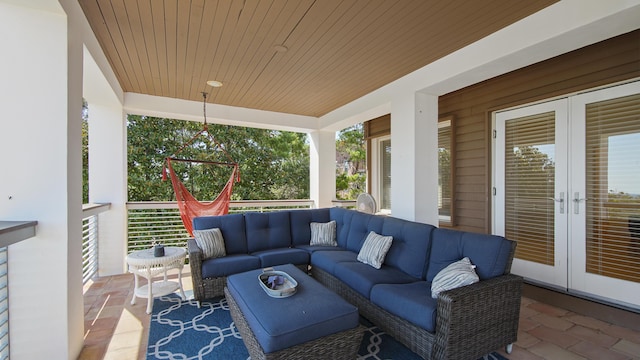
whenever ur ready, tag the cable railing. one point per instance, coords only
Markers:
(159, 222)
(11, 232)
(90, 214)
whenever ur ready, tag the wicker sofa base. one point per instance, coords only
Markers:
(340, 346)
(462, 332)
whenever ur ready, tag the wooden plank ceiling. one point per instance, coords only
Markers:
(337, 51)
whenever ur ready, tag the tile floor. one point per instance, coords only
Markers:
(115, 329)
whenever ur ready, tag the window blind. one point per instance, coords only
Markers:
(444, 170)
(530, 182)
(385, 155)
(613, 183)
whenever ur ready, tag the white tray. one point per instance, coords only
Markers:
(286, 289)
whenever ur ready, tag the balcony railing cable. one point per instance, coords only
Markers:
(90, 253)
(150, 222)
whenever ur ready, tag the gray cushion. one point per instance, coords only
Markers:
(374, 249)
(458, 274)
(323, 234)
(211, 242)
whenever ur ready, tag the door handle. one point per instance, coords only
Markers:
(560, 200)
(576, 201)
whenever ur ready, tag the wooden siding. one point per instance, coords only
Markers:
(610, 61)
(380, 126)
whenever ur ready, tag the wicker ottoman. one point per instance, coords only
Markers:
(314, 323)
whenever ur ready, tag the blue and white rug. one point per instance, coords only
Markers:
(179, 330)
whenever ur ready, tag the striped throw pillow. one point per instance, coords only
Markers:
(375, 249)
(460, 273)
(323, 234)
(211, 242)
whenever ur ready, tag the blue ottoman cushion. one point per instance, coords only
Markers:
(311, 313)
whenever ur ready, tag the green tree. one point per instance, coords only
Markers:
(273, 164)
(85, 151)
(351, 162)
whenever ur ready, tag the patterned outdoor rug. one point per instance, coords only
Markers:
(179, 330)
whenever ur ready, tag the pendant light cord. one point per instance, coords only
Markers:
(204, 108)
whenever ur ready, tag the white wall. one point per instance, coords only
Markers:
(41, 178)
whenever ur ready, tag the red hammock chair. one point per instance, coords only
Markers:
(188, 205)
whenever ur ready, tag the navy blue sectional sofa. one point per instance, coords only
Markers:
(463, 323)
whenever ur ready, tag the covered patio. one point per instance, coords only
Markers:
(53, 59)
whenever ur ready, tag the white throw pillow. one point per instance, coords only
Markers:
(211, 242)
(323, 234)
(375, 249)
(457, 274)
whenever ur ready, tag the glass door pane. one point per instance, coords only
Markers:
(531, 180)
(613, 188)
(529, 184)
(605, 194)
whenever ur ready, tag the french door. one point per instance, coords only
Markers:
(567, 189)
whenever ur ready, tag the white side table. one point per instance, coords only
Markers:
(143, 263)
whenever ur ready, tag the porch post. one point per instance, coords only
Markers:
(414, 157)
(108, 183)
(107, 166)
(322, 167)
(40, 139)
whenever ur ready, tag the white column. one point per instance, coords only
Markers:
(41, 92)
(107, 183)
(107, 167)
(322, 167)
(414, 157)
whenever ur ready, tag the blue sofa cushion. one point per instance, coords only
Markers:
(232, 228)
(282, 256)
(411, 302)
(342, 218)
(311, 249)
(268, 230)
(313, 312)
(300, 224)
(362, 277)
(327, 260)
(411, 244)
(361, 225)
(227, 265)
(490, 253)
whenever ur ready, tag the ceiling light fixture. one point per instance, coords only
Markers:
(214, 83)
(280, 48)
